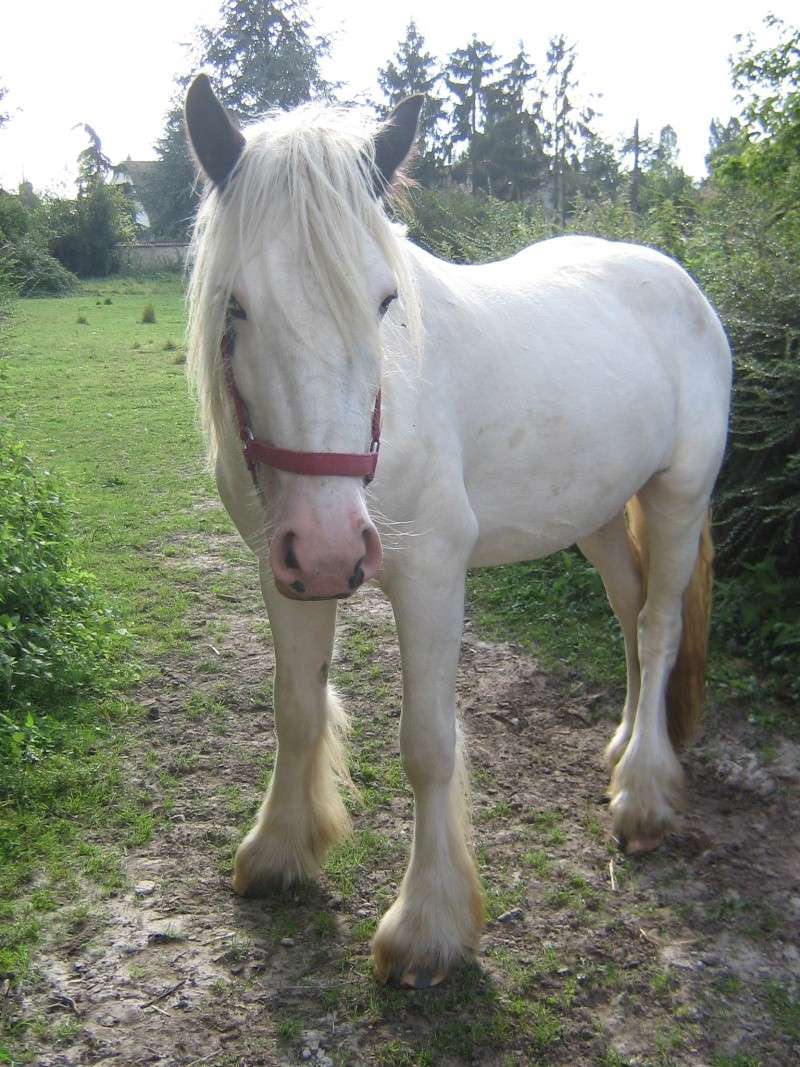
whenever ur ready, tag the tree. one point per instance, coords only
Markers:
(599, 177)
(173, 190)
(724, 139)
(263, 55)
(468, 76)
(413, 70)
(513, 139)
(768, 83)
(642, 149)
(566, 123)
(93, 165)
(85, 233)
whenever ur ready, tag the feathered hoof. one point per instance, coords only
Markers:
(266, 864)
(414, 948)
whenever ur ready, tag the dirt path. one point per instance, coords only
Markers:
(689, 956)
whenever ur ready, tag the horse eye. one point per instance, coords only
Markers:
(385, 304)
(235, 309)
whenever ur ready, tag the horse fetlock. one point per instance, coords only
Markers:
(426, 934)
(615, 749)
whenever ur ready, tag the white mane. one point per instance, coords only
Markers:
(312, 170)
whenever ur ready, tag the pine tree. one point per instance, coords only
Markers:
(413, 70)
(264, 54)
(469, 77)
(513, 136)
(261, 55)
(562, 125)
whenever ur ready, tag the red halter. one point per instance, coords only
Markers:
(338, 464)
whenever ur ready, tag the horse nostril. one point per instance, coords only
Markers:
(357, 577)
(291, 560)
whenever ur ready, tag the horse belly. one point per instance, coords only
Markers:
(545, 476)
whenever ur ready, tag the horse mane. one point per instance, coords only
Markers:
(311, 170)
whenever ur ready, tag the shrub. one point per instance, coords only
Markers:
(32, 271)
(55, 634)
(149, 313)
(469, 229)
(746, 260)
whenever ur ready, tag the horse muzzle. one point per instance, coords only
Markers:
(322, 560)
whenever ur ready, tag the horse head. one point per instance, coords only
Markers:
(292, 238)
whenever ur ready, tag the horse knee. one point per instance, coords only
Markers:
(428, 749)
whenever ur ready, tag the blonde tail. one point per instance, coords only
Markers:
(686, 684)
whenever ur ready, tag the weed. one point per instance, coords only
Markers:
(289, 1029)
(149, 314)
(81, 321)
(169, 346)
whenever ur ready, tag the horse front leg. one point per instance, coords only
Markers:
(437, 918)
(303, 813)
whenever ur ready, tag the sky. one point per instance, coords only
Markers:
(112, 64)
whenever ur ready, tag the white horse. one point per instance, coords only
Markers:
(525, 404)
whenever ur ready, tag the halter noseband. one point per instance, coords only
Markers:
(255, 451)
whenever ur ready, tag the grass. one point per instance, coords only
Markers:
(96, 397)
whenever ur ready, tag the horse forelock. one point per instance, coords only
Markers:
(311, 171)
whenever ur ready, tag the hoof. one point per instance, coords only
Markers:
(640, 844)
(423, 978)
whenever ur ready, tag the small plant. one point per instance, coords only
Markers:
(108, 300)
(180, 359)
(136, 345)
(169, 346)
(82, 320)
(149, 314)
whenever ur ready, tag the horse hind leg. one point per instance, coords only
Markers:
(303, 813)
(616, 553)
(647, 785)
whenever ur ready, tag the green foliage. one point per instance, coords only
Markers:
(149, 314)
(755, 615)
(264, 54)
(26, 265)
(467, 229)
(86, 234)
(55, 635)
(747, 263)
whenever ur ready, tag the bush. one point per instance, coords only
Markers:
(746, 261)
(468, 229)
(32, 271)
(55, 635)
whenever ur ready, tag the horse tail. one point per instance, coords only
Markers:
(686, 684)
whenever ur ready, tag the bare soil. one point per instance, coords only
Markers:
(687, 956)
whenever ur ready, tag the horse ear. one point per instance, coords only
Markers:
(395, 139)
(215, 140)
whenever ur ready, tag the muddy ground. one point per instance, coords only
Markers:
(688, 956)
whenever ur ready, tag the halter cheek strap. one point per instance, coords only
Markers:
(255, 451)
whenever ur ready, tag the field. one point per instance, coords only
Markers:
(120, 939)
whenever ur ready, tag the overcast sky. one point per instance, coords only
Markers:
(111, 64)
